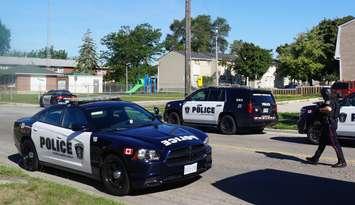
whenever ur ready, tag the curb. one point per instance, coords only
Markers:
(18, 104)
(281, 130)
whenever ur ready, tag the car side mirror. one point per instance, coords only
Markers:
(156, 110)
(78, 127)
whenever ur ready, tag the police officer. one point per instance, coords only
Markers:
(329, 113)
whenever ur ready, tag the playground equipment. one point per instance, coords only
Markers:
(149, 83)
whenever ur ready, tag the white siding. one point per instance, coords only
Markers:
(85, 83)
(38, 83)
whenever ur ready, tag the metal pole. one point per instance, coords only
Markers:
(126, 78)
(187, 46)
(217, 73)
(48, 33)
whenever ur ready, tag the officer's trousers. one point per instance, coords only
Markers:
(329, 137)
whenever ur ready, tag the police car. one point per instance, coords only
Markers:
(55, 97)
(117, 142)
(227, 108)
(346, 122)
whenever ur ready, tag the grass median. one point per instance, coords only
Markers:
(287, 121)
(16, 187)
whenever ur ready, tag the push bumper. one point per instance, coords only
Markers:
(159, 173)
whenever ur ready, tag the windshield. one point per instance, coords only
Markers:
(120, 117)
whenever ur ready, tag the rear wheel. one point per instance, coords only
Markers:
(29, 159)
(114, 176)
(227, 125)
(174, 118)
(313, 134)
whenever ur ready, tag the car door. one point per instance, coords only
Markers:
(58, 144)
(346, 124)
(215, 100)
(197, 109)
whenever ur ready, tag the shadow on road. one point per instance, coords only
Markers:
(271, 186)
(97, 184)
(276, 155)
(303, 140)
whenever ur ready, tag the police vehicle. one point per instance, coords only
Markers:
(53, 97)
(227, 108)
(346, 122)
(117, 142)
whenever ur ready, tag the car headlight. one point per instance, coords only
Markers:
(206, 140)
(146, 154)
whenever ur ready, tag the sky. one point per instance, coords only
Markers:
(265, 23)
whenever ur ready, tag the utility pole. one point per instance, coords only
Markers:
(126, 77)
(217, 73)
(187, 46)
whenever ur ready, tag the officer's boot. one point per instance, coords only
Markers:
(341, 160)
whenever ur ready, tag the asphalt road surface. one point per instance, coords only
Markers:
(265, 168)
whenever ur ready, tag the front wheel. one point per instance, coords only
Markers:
(114, 176)
(313, 134)
(29, 156)
(227, 125)
(174, 118)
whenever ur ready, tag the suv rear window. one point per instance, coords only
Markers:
(262, 97)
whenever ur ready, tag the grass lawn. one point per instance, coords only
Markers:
(280, 98)
(287, 120)
(34, 191)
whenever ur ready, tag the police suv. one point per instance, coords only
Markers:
(117, 142)
(346, 122)
(227, 108)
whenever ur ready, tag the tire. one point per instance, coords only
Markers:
(227, 125)
(174, 118)
(29, 159)
(118, 185)
(259, 130)
(313, 135)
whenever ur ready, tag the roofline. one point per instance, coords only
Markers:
(347, 23)
(192, 58)
(45, 74)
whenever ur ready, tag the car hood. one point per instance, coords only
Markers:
(165, 135)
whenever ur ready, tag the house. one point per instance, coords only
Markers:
(39, 75)
(345, 50)
(171, 69)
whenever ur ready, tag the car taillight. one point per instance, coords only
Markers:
(250, 107)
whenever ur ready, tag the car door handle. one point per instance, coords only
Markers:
(218, 105)
(35, 130)
(199, 105)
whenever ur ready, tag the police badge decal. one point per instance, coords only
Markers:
(79, 150)
(187, 109)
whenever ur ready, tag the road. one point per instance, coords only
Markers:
(265, 168)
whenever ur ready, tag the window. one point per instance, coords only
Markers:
(216, 95)
(52, 116)
(352, 100)
(200, 95)
(74, 116)
(119, 117)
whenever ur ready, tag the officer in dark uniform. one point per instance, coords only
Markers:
(329, 113)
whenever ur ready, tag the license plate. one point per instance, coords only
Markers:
(191, 168)
(266, 110)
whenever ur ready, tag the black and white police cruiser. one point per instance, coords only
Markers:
(228, 108)
(346, 121)
(117, 142)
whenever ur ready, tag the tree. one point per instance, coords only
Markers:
(133, 48)
(252, 61)
(311, 55)
(203, 32)
(5, 36)
(42, 53)
(87, 60)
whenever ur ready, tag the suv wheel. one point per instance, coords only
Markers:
(227, 125)
(114, 176)
(313, 134)
(174, 118)
(29, 159)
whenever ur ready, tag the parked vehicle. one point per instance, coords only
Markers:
(346, 124)
(119, 143)
(53, 97)
(227, 108)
